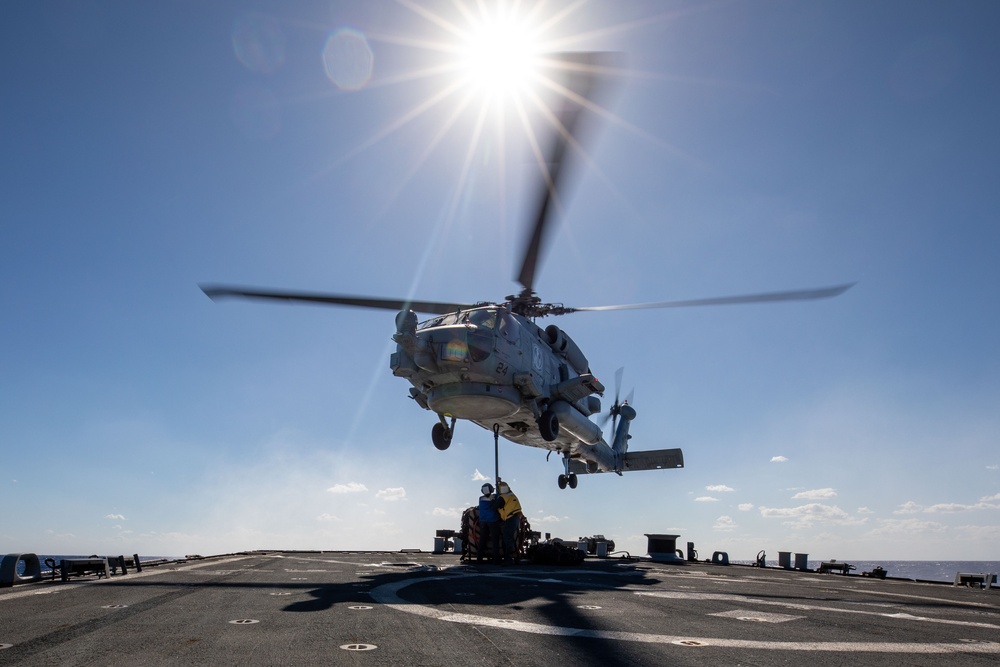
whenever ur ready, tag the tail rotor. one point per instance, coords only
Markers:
(616, 407)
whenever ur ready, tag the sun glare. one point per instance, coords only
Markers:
(499, 54)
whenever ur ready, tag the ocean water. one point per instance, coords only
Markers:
(46, 569)
(918, 570)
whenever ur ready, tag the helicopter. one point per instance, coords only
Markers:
(491, 363)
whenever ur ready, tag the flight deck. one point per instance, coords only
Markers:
(418, 608)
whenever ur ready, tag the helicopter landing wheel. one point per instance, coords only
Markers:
(548, 426)
(569, 480)
(441, 435)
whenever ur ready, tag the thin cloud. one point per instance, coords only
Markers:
(979, 532)
(391, 494)
(328, 517)
(960, 507)
(779, 459)
(909, 507)
(907, 527)
(805, 516)
(448, 512)
(350, 487)
(724, 522)
(815, 494)
(114, 517)
(946, 508)
(706, 499)
(985, 503)
(745, 507)
(479, 477)
(720, 488)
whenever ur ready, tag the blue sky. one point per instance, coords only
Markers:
(749, 146)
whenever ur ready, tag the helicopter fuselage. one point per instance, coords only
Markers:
(499, 369)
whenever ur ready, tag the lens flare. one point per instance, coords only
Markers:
(455, 350)
(259, 43)
(348, 60)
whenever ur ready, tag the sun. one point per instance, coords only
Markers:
(506, 74)
(499, 53)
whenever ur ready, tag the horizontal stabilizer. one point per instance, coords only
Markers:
(656, 459)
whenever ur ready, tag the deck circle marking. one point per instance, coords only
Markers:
(282, 593)
(388, 594)
(587, 606)
(244, 621)
(114, 606)
(358, 647)
(3, 646)
(360, 607)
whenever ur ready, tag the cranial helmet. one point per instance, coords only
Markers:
(487, 489)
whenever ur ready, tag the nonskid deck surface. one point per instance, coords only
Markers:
(423, 609)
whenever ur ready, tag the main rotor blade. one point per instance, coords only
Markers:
(795, 295)
(583, 73)
(435, 307)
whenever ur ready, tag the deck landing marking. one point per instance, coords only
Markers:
(761, 616)
(358, 647)
(811, 607)
(388, 594)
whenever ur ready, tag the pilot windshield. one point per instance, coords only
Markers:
(485, 318)
(466, 344)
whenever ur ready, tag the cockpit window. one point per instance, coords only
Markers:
(480, 346)
(463, 346)
(485, 318)
(440, 321)
(508, 326)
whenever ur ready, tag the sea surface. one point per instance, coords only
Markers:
(918, 570)
(46, 569)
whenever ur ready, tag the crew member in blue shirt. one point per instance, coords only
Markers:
(489, 526)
